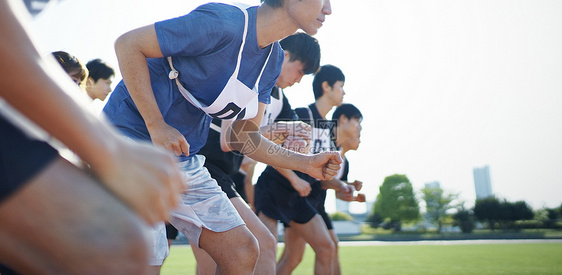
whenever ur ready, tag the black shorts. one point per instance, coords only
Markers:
(276, 198)
(21, 158)
(238, 179)
(223, 180)
(318, 198)
(5, 270)
(326, 217)
(171, 232)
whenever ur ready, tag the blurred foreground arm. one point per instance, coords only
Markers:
(143, 177)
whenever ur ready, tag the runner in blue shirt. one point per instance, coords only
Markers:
(218, 61)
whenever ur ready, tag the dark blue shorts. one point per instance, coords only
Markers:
(21, 158)
(276, 198)
(223, 180)
(326, 218)
(238, 179)
(171, 232)
(318, 198)
(4, 270)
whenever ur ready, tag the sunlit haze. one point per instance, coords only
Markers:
(444, 86)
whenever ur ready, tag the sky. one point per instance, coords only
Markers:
(444, 86)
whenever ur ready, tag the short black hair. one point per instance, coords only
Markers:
(303, 48)
(274, 3)
(348, 110)
(71, 65)
(99, 69)
(329, 73)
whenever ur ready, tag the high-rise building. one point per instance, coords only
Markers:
(433, 184)
(342, 206)
(482, 182)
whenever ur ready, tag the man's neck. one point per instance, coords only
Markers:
(273, 25)
(323, 106)
(342, 141)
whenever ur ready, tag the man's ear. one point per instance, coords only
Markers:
(287, 59)
(90, 81)
(325, 86)
(342, 120)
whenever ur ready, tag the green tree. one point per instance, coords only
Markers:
(548, 217)
(437, 203)
(553, 213)
(464, 219)
(396, 202)
(505, 212)
(341, 216)
(520, 210)
(374, 219)
(510, 212)
(488, 209)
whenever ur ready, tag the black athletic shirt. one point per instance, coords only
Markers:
(274, 194)
(316, 121)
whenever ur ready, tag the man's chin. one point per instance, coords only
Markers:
(284, 85)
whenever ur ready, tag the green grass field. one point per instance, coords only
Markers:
(516, 258)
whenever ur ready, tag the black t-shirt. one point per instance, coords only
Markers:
(286, 113)
(229, 162)
(324, 142)
(323, 132)
(345, 167)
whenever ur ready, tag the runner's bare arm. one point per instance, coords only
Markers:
(132, 49)
(322, 166)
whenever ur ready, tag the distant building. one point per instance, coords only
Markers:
(342, 206)
(482, 182)
(433, 184)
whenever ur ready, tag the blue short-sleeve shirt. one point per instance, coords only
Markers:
(204, 45)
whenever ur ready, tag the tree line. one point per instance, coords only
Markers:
(397, 204)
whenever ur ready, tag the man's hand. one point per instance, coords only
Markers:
(168, 137)
(346, 193)
(357, 184)
(360, 197)
(324, 166)
(302, 186)
(144, 177)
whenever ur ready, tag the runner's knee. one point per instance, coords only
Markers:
(249, 249)
(267, 244)
(128, 252)
(293, 259)
(242, 257)
(325, 248)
